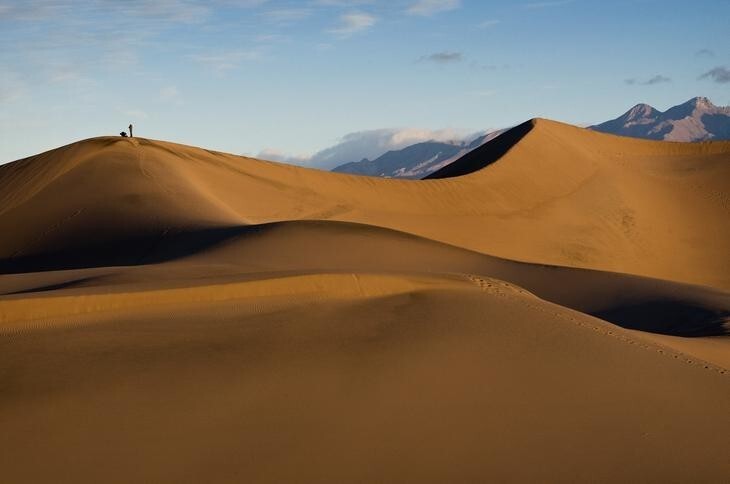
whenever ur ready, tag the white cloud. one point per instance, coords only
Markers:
(226, 61)
(185, 11)
(268, 38)
(243, 3)
(353, 22)
(323, 46)
(547, 4)
(12, 87)
(286, 16)
(170, 94)
(488, 23)
(343, 3)
(366, 144)
(279, 155)
(62, 72)
(67, 41)
(33, 11)
(430, 7)
(181, 11)
(134, 114)
(485, 93)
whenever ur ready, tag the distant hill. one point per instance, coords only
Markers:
(414, 161)
(696, 120)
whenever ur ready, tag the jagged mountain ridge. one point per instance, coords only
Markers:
(695, 120)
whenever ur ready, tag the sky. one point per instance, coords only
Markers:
(320, 82)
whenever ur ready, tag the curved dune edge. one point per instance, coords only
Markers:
(172, 314)
(281, 264)
(17, 312)
(281, 292)
(234, 254)
(559, 195)
(417, 386)
(482, 157)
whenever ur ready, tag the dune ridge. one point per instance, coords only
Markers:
(561, 195)
(226, 256)
(554, 306)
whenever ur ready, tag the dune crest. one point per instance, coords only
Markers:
(560, 195)
(554, 306)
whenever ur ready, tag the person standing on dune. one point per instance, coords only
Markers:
(130, 131)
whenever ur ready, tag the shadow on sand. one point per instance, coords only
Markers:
(628, 301)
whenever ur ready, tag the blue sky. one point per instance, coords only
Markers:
(287, 79)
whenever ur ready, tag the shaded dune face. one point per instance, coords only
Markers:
(481, 158)
(321, 246)
(553, 306)
(543, 192)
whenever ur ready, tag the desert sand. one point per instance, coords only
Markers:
(554, 306)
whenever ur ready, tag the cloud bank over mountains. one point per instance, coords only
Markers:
(368, 144)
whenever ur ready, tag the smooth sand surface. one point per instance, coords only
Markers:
(557, 312)
(560, 195)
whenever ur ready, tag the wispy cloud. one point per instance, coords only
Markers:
(185, 11)
(170, 94)
(275, 154)
(430, 7)
(33, 11)
(286, 15)
(343, 3)
(487, 24)
(719, 74)
(225, 61)
(242, 3)
(658, 79)
(444, 57)
(352, 23)
(705, 53)
(59, 71)
(133, 113)
(546, 4)
(181, 11)
(12, 87)
(367, 144)
(68, 42)
(476, 65)
(268, 38)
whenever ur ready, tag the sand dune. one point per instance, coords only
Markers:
(219, 256)
(171, 314)
(560, 195)
(437, 384)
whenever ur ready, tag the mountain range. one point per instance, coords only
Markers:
(695, 120)
(417, 160)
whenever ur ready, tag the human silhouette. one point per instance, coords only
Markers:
(123, 134)
(130, 131)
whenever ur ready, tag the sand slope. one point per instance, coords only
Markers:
(391, 388)
(560, 195)
(216, 257)
(170, 314)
